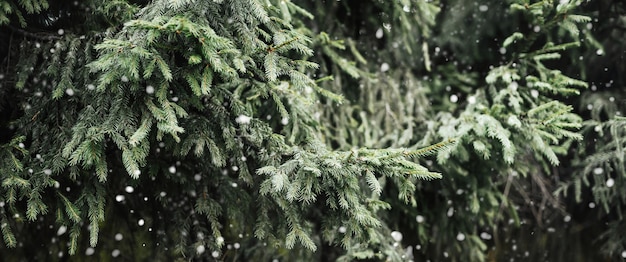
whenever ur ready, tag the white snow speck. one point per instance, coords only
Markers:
(129, 189)
(197, 177)
(624, 254)
(483, 8)
(124, 79)
(600, 52)
(598, 171)
(150, 89)
(485, 235)
(592, 205)
(141, 222)
(342, 229)
(534, 93)
(397, 236)
(137, 172)
(420, 219)
(61, 31)
(243, 119)
(47, 172)
(90, 251)
(379, 33)
(215, 254)
(119, 198)
(119, 236)
(115, 253)
(62, 230)
(471, 99)
(91, 87)
(406, 8)
(219, 240)
(69, 92)
(384, 67)
(234, 184)
(236, 245)
(610, 182)
(460, 237)
(284, 121)
(567, 219)
(200, 249)
(172, 169)
(450, 212)
(454, 98)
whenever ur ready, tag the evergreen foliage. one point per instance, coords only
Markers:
(309, 130)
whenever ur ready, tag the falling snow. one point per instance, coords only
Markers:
(567, 219)
(119, 198)
(610, 182)
(598, 171)
(129, 189)
(384, 67)
(379, 33)
(397, 236)
(460, 237)
(454, 98)
(485, 235)
(61, 230)
(200, 249)
(471, 99)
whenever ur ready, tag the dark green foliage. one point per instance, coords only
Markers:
(311, 130)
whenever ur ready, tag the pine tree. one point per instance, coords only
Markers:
(304, 130)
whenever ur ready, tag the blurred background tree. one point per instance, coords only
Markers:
(240, 130)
